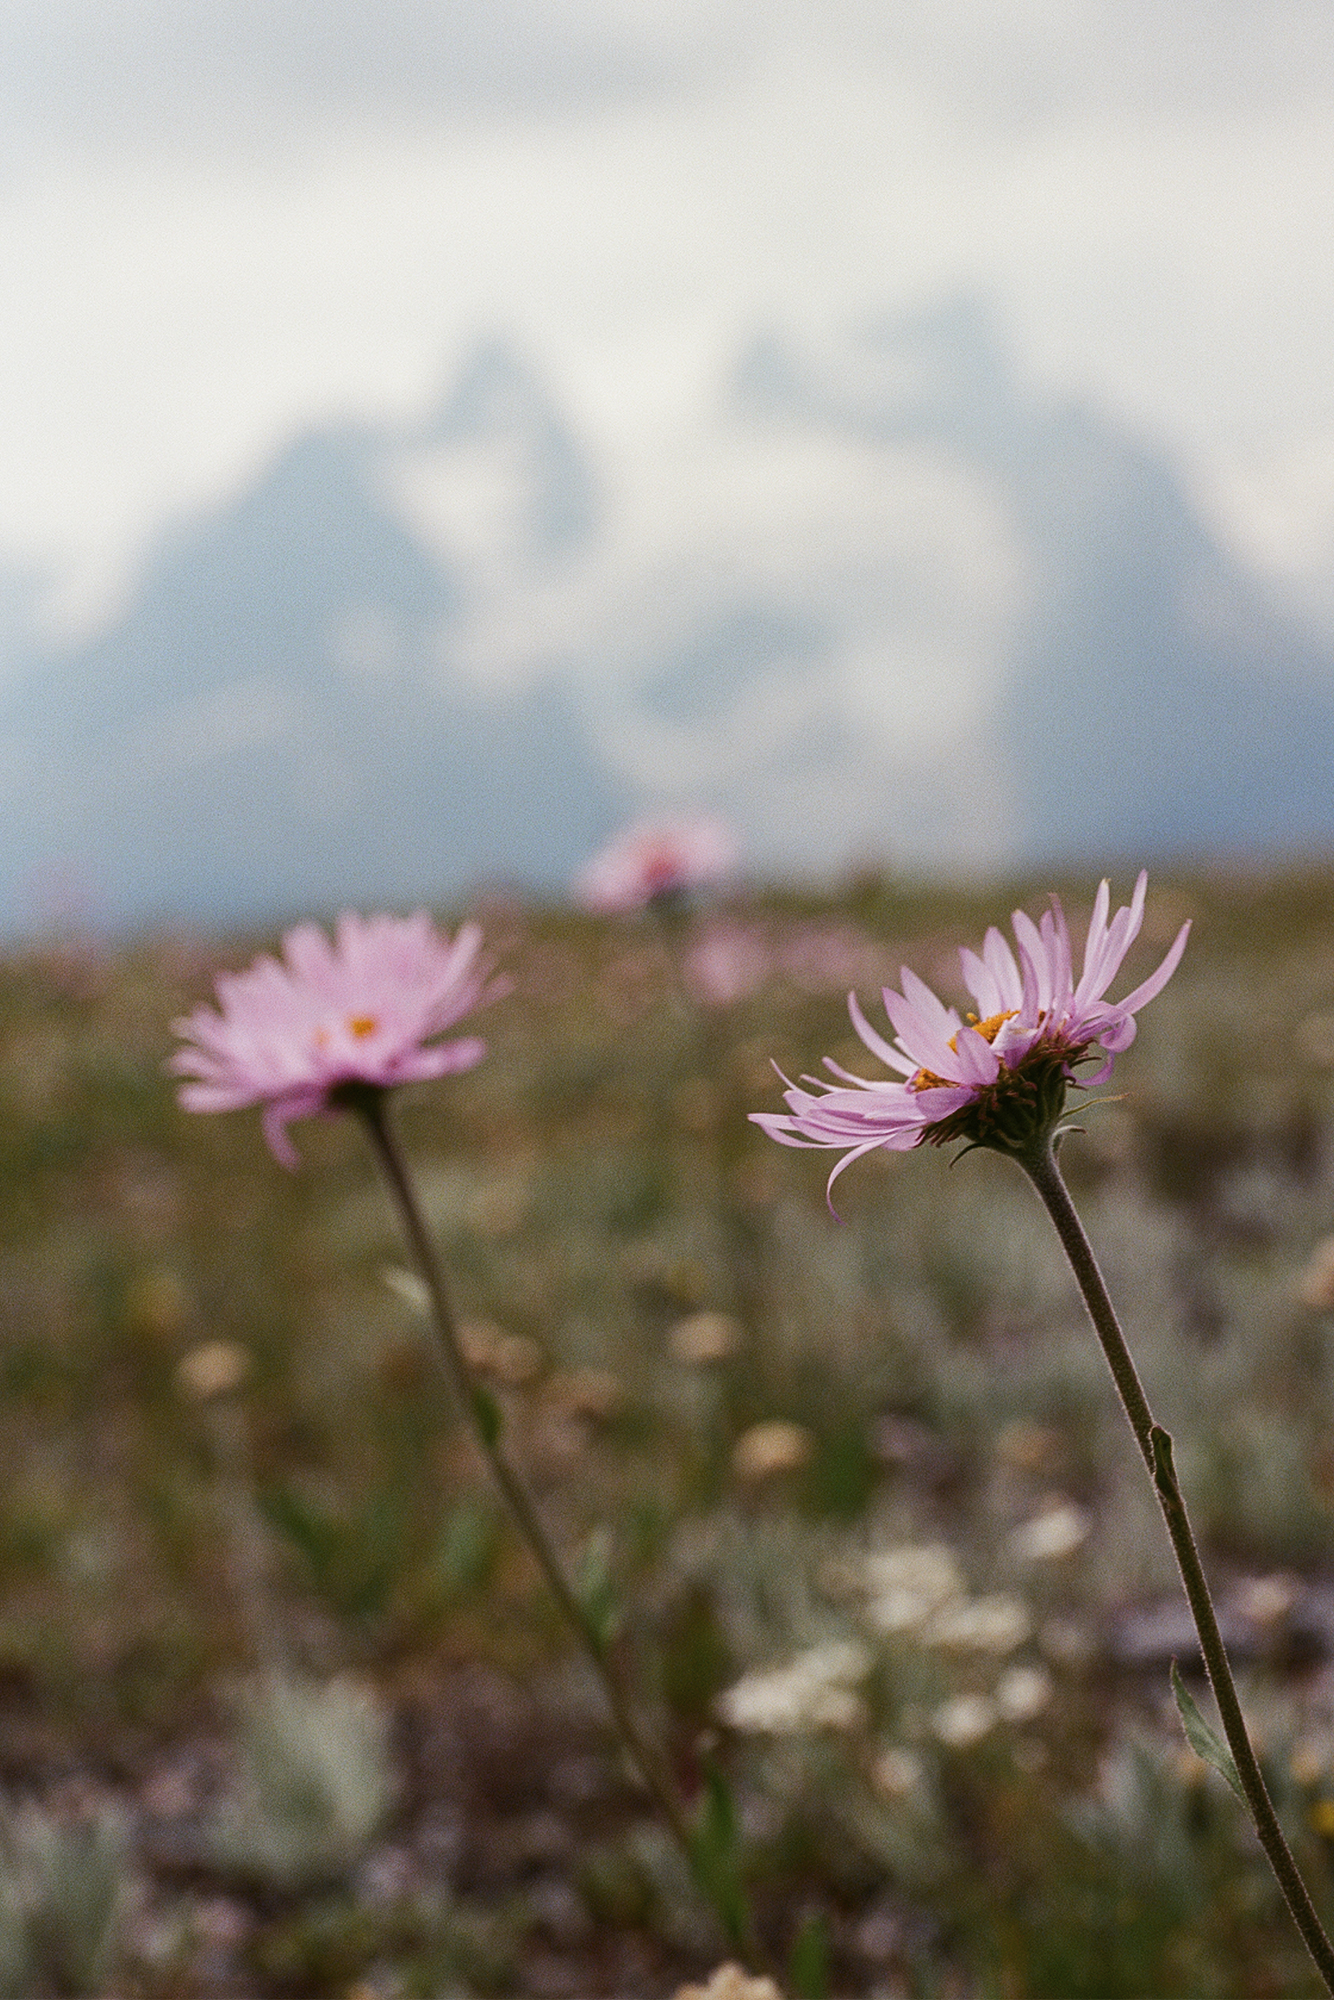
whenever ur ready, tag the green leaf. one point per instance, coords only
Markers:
(1202, 1739)
(486, 1415)
(465, 1549)
(311, 1529)
(716, 1852)
(595, 1588)
(808, 1960)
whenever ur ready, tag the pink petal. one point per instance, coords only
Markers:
(928, 1049)
(1062, 965)
(857, 1152)
(942, 1100)
(1000, 963)
(1121, 934)
(1033, 952)
(1156, 981)
(277, 1117)
(1030, 1005)
(876, 1043)
(975, 1059)
(1118, 1033)
(846, 1076)
(941, 1019)
(441, 1059)
(977, 978)
(1101, 1074)
(1094, 946)
(780, 1128)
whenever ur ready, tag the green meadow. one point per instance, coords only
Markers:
(284, 1709)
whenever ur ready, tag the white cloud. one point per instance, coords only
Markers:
(1274, 509)
(173, 308)
(1033, 63)
(162, 77)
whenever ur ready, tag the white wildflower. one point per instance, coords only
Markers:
(729, 1982)
(814, 1691)
(906, 1585)
(1267, 1600)
(897, 1773)
(994, 1624)
(1023, 1692)
(964, 1720)
(1050, 1536)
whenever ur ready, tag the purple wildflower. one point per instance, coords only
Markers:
(999, 1078)
(654, 861)
(364, 1010)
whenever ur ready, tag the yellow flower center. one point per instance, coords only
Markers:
(926, 1079)
(988, 1029)
(361, 1025)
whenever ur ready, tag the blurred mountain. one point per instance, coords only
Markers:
(1155, 702)
(499, 406)
(275, 723)
(884, 601)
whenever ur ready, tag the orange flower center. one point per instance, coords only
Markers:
(926, 1079)
(361, 1025)
(988, 1029)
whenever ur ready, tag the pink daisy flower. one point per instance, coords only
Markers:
(653, 861)
(364, 1010)
(999, 1078)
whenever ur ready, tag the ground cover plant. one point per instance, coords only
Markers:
(286, 1707)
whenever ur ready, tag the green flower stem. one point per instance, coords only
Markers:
(372, 1107)
(1155, 1445)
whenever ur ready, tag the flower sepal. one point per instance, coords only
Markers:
(1021, 1110)
(355, 1094)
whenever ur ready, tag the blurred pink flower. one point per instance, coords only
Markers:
(654, 860)
(726, 963)
(365, 1009)
(999, 1079)
(828, 957)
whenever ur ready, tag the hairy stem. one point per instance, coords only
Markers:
(1156, 1450)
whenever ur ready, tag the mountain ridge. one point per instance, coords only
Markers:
(292, 706)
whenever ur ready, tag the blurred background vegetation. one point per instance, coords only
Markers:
(285, 1709)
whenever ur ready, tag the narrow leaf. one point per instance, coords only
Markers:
(486, 1414)
(808, 1961)
(595, 1587)
(1204, 1741)
(717, 1856)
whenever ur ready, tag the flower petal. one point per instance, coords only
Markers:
(930, 1008)
(876, 1043)
(1046, 1018)
(1033, 952)
(980, 983)
(367, 1007)
(1154, 984)
(975, 1059)
(929, 1049)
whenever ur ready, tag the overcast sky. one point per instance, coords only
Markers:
(221, 220)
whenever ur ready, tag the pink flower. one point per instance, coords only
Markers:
(654, 860)
(725, 964)
(365, 1009)
(999, 1079)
